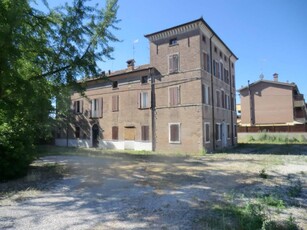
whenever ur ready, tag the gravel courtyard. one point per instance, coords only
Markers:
(125, 191)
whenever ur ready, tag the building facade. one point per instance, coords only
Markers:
(182, 102)
(270, 103)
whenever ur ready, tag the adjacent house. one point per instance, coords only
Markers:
(183, 101)
(272, 103)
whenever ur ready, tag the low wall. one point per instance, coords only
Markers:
(106, 144)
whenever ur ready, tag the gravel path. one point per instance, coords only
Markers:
(97, 193)
(129, 192)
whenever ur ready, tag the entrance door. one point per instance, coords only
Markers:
(95, 135)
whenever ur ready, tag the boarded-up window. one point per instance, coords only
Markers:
(174, 133)
(174, 96)
(173, 63)
(144, 100)
(207, 132)
(145, 133)
(78, 106)
(97, 108)
(115, 103)
(115, 133)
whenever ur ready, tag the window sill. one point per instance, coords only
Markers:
(175, 142)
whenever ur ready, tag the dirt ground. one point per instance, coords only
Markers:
(127, 191)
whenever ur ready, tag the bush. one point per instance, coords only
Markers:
(17, 151)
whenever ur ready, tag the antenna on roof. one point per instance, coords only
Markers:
(261, 76)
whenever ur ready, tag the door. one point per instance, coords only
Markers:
(95, 135)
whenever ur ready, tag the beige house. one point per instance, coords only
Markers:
(269, 103)
(183, 101)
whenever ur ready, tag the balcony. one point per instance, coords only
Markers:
(299, 100)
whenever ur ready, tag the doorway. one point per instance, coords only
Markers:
(95, 135)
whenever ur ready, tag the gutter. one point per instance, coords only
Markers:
(212, 94)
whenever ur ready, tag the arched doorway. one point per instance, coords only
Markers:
(95, 135)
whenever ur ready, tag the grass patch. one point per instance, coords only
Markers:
(275, 138)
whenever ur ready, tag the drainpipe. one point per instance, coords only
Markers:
(153, 110)
(251, 105)
(212, 94)
(232, 106)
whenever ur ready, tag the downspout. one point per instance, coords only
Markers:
(231, 101)
(212, 94)
(153, 111)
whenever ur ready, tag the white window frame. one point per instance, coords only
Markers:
(144, 100)
(169, 133)
(205, 131)
(207, 94)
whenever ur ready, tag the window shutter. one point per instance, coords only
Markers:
(214, 68)
(101, 107)
(208, 63)
(115, 132)
(171, 64)
(171, 96)
(174, 132)
(176, 63)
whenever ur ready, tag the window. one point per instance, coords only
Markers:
(228, 131)
(207, 132)
(206, 62)
(223, 98)
(218, 131)
(77, 132)
(114, 132)
(174, 133)
(221, 73)
(115, 84)
(227, 101)
(173, 63)
(215, 49)
(226, 77)
(221, 55)
(96, 108)
(144, 79)
(204, 38)
(173, 42)
(115, 103)
(174, 96)
(206, 94)
(218, 99)
(144, 100)
(145, 133)
(217, 71)
(78, 106)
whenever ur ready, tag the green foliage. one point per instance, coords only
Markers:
(275, 138)
(43, 54)
(273, 201)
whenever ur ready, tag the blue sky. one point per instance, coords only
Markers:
(267, 36)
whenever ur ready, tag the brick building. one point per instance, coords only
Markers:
(183, 101)
(268, 103)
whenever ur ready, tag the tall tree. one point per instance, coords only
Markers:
(43, 52)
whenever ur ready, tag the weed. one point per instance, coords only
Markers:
(273, 201)
(263, 174)
(295, 188)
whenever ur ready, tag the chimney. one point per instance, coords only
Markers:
(275, 75)
(130, 64)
